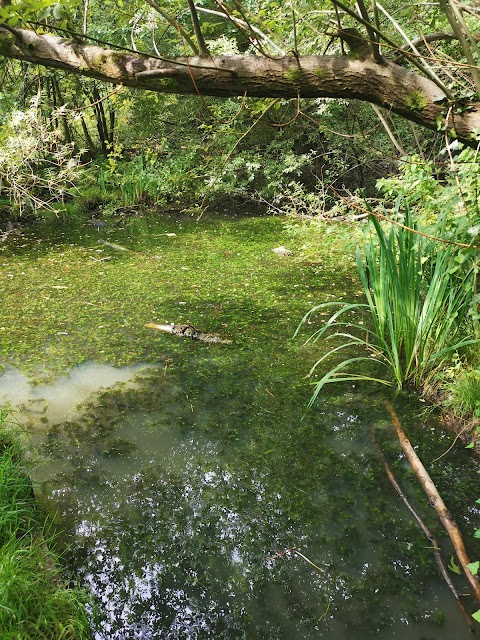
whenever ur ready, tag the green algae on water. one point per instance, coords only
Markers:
(184, 496)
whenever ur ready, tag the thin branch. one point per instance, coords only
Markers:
(445, 62)
(85, 15)
(249, 37)
(202, 45)
(388, 130)
(413, 128)
(135, 22)
(426, 531)
(376, 18)
(463, 34)
(154, 42)
(385, 218)
(371, 32)
(174, 23)
(281, 554)
(412, 58)
(467, 426)
(94, 104)
(241, 23)
(420, 61)
(436, 501)
(294, 21)
(423, 40)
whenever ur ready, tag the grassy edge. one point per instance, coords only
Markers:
(450, 383)
(35, 599)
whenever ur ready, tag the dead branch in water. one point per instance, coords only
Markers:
(436, 501)
(435, 546)
(187, 331)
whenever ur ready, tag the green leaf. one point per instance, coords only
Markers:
(476, 615)
(57, 11)
(477, 534)
(474, 566)
(453, 566)
(470, 446)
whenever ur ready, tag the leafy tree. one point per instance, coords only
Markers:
(420, 63)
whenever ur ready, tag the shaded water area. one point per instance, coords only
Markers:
(196, 498)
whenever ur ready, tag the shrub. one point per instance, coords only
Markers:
(36, 169)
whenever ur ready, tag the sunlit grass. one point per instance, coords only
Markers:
(34, 600)
(464, 394)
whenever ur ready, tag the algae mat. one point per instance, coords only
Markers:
(196, 498)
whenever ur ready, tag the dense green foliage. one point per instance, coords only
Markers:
(417, 306)
(212, 441)
(285, 155)
(34, 599)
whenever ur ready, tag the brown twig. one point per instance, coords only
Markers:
(426, 531)
(467, 426)
(94, 104)
(380, 216)
(202, 45)
(435, 500)
(295, 550)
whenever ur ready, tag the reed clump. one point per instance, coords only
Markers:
(418, 303)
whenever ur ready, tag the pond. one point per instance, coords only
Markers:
(195, 497)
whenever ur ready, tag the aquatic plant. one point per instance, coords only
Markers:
(464, 394)
(416, 302)
(34, 600)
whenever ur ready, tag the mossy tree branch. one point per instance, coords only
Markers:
(387, 85)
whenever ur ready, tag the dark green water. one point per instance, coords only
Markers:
(196, 501)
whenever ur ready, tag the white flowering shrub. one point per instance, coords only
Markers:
(37, 169)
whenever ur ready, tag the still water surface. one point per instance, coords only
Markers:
(198, 501)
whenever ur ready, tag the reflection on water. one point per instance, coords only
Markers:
(197, 500)
(58, 400)
(185, 524)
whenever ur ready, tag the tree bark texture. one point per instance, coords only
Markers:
(388, 85)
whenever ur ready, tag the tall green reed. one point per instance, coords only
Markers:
(417, 305)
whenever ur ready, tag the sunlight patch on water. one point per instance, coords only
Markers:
(59, 400)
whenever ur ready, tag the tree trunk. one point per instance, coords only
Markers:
(388, 85)
(58, 102)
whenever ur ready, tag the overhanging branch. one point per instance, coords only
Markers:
(388, 85)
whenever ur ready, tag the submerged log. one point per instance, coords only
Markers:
(426, 531)
(436, 501)
(187, 331)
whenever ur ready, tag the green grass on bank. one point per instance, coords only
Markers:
(35, 603)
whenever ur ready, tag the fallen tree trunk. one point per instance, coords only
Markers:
(187, 331)
(436, 501)
(386, 84)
